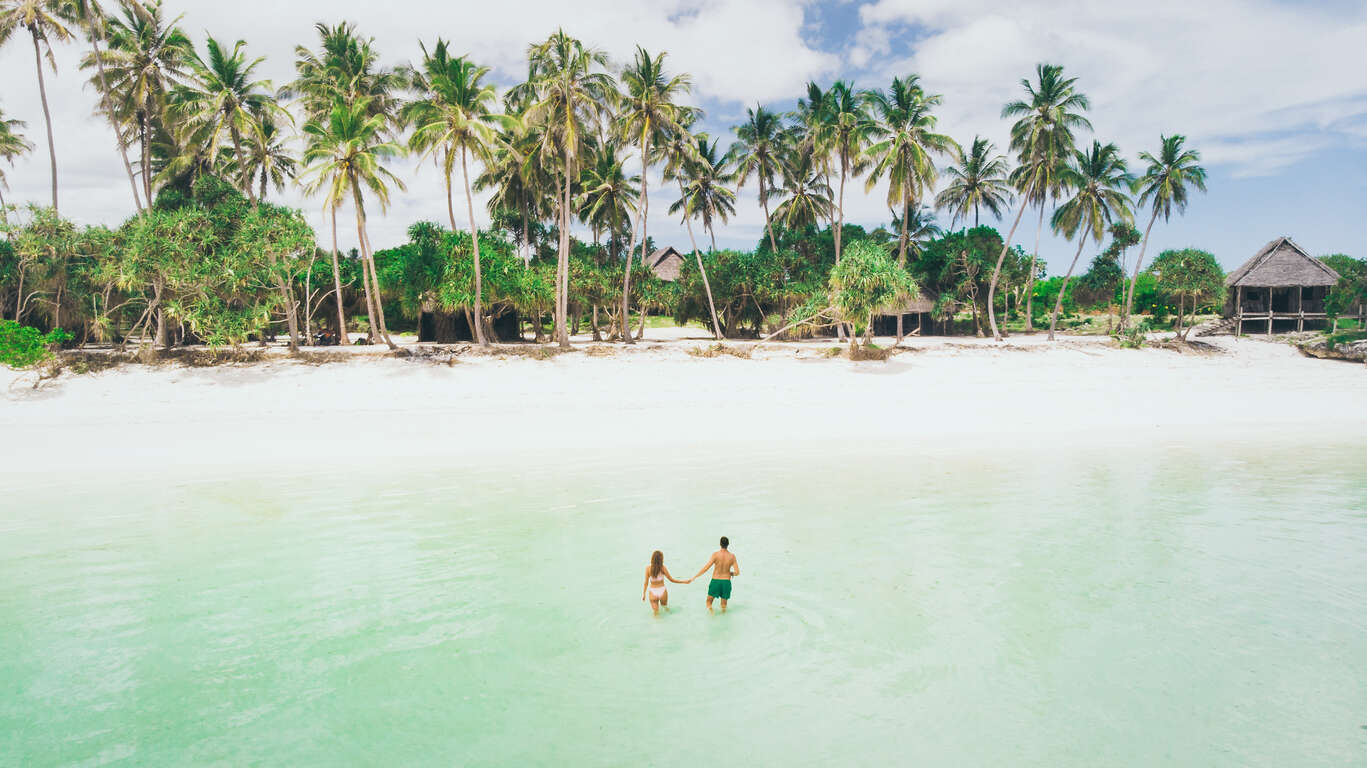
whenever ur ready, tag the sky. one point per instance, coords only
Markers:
(1273, 94)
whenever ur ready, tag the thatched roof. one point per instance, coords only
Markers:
(923, 304)
(1280, 264)
(665, 263)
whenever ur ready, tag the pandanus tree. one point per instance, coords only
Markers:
(761, 143)
(223, 100)
(92, 18)
(1164, 187)
(649, 110)
(1043, 137)
(347, 156)
(567, 93)
(700, 172)
(454, 116)
(12, 145)
(45, 21)
(147, 57)
(977, 180)
(1099, 182)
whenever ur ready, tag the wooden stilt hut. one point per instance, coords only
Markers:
(1281, 288)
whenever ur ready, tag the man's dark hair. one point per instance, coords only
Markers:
(725, 542)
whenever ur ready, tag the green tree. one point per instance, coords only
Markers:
(693, 164)
(1349, 295)
(347, 155)
(807, 194)
(977, 180)
(1163, 187)
(762, 142)
(1099, 180)
(845, 129)
(269, 160)
(1043, 137)
(93, 19)
(12, 145)
(455, 116)
(46, 22)
(1189, 274)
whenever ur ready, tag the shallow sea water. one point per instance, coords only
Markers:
(1104, 607)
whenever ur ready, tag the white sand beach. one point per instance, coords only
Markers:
(657, 397)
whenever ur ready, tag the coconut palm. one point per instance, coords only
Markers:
(693, 165)
(347, 155)
(566, 93)
(515, 178)
(805, 189)
(12, 145)
(906, 147)
(345, 68)
(649, 110)
(609, 195)
(844, 128)
(1164, 187)
(269, 161)
(146, 58)
(1043, 138)
(761, 142)
(977, 180)
(1099, 182)
(92, 18)
(705, 175)
(454, 115)
(46, 22)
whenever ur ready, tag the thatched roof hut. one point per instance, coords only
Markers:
(666, 263)
(1283, 284)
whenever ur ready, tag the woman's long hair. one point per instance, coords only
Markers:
(657, 564)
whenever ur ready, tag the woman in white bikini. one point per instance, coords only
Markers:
(656, 574)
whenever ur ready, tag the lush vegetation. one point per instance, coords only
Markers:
(205, 257)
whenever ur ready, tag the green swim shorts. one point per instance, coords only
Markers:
(719, 588)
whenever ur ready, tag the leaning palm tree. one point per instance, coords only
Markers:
(223, 101)
(12, 145)
(346, 155)
(649, 110)
(761, 142)
(566, 93)
(147, 57)
(977, 180)
(45, 21)
(845, 128)
(1100, 181)
(1043, 137)
(693, 164)
(454, 115)
(1164, 187)
(92, 18)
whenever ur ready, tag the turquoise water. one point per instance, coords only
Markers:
(1173, 607)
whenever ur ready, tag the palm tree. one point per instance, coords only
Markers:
(761, 142)
(346, 155)
(1043, 137)
(93, 19)
(515, 178)
(223, 100)
(1099, 180)
(648, 111)
(1163, 187)
(704, 180)
(808, 195)
(146, 58)
(45, 21)
(694, 166)
(977, 180)
(269, 161)
(12, 145)
(844, 129)
(566, 94)
(346, 68)
(455, 115)
(609, 195)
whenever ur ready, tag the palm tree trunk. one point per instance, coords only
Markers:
(562, 336)
(1058, 304)
(1129, 295)
(342, 337)
(997, 272)
(375, 282)
(246, 179)
(365, 274)
(109, 112)
(902, 252)
(631, 251)
(768, 223)
(474, 238)
(1030, 279)
(47, 115)
(146, 168)
(840, 225)
(707, 286)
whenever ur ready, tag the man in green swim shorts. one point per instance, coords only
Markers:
(724, 568)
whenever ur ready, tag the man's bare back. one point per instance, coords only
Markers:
(722, 563)
(724, 567)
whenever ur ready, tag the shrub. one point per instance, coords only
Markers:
(24, 347)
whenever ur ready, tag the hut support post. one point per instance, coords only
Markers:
(1269, 311)
(1238, 312)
